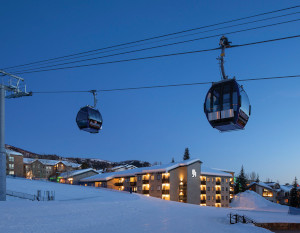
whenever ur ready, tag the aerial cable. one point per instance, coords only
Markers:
(160, 46)
(160, 86)
(160, 56)
(156, 37)
(31, 67)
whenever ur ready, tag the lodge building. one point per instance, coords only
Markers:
(176, 182)
(45, 169)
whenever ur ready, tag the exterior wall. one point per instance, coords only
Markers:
(215, 191)
(14, 165)
(178, 184)
(193, 183)
(156, 185)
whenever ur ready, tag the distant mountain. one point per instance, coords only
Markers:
(86, 162)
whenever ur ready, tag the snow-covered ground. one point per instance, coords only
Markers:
(88, 209)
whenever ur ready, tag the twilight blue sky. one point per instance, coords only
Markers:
(156, 124)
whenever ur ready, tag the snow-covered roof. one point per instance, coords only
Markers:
(262, 184)
(286, 188)
(213, 172)
(28, 160)
(141, 170)
(11, 152)
(75, 172)
(48, 162)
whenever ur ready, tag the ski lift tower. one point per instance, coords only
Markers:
(11, 86)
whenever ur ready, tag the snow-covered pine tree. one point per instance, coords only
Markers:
(186, 155)
(294, 198)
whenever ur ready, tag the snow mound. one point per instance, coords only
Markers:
(250, 200)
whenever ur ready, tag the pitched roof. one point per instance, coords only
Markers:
(213, 172)
(11, 152)
(49, 162)
(141, 170)
(76, 173)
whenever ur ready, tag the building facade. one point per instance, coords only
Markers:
(45, 169)
(216, 187)
(73, 177)
(14, 163)
(176, 181)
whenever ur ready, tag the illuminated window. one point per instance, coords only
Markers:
(152, 177)
(11, 173)
(267, 193)
(11, 166)
(158, 187)
(11, 158)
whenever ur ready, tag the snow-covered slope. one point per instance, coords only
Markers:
(252, 201)
(87, 209)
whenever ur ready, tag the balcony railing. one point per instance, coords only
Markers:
(218, 192)
(203, 182)
(182, 186)
(145, 191)
(218, 200)
(118, 184)
(133, 183)
(203, 191)
(165, 180)
(218, 182)
(145, 181)
(231, 192)
(203, 201)
(165, 191)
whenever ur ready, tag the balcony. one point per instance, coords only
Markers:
(203, 182)
(182, 186)
(145, 181)
(145, 191)
(118, 184)
(203, 201)
(231, 192)
(165, 180)
(182, 198)
(165, 191)
(218, 200)
(203, 191)
(218, 192)
(218, 182)
(133, 183)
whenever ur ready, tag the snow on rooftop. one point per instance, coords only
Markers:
(49, 162)
(262, 184)
(11, 152)
(213, 172)
(133, 172)
(75, 172)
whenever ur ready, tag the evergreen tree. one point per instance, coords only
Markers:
(294, 198)
(241, 182)
(173, 161)
(257, 179)
(186, 155)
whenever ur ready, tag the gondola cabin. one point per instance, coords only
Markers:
(89, 119)
(227, 106)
